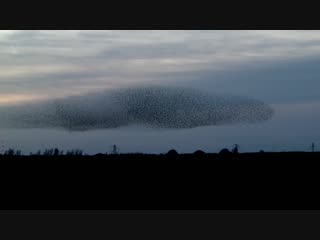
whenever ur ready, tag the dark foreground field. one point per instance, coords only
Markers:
(288, 180)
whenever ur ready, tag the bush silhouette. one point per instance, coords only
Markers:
(172, 152)
(199, 153)
(224, 151)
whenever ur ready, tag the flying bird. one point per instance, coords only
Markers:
(156, 106)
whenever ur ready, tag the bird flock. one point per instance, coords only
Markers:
(155, 106)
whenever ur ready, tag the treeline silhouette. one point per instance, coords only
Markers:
(46, 152)
(79, 152)
(229, 179)
(223, 154)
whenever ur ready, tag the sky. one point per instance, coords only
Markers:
(280, 68)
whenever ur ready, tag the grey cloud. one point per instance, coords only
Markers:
(112, 54)
(274, 82)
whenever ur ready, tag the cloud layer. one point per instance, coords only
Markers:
(50, 64)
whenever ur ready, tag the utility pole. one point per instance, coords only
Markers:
(114, 149)
(312, 147)
(2, 148)
(235, 150)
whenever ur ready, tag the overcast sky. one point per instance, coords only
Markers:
(281, 68)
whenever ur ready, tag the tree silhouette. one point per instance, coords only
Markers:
(9, 152)
(56, 152)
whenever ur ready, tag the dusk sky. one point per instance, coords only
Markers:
(279, 68)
